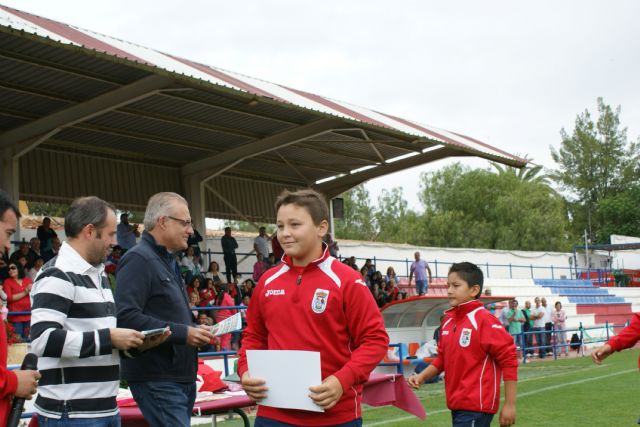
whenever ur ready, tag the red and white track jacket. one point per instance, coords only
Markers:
(628, 337)
(475, 351)
(325, 307)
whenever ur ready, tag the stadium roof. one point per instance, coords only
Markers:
(83, 113)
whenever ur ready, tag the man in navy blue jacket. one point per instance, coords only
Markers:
(150, 294)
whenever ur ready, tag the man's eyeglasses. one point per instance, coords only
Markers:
(184, 222)
(13, 267)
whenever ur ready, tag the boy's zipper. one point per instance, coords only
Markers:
(296, 296)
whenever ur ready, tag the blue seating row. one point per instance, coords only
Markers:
(563, 283)
(609, 299)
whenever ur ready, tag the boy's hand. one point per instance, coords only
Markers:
(328, 393)
(507, 415)
(415, 381)
(601, 353)
(254, 387)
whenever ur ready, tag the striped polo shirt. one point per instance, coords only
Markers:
(72, 311)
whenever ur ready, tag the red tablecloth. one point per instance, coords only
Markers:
(380, 390)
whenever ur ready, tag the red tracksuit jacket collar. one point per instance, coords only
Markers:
(325, 254)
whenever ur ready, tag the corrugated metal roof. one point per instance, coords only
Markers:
(102, 43)
(138, 146)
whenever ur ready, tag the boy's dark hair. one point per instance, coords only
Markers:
(6, 203)
(84, 211)
(470, 273)
(309, 199)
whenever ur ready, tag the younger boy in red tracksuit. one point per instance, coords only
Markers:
(626, 338)
(474, 351)
(313, 302)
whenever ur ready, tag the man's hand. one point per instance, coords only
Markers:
(507, 415)
(154, 341)
(254, 387)
(27, 383)
(328, 393)
(601, 353)
(198, 337)
(125, 339)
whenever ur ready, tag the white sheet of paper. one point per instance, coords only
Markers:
(288, 374)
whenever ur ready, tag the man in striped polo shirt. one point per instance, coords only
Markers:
(74, 325)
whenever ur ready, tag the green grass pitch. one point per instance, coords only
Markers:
(566, 392)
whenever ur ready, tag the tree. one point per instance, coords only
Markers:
(620, 214)
(358, 222)
(480, 209)
(391, 217)
(47, 209)
(595, 162)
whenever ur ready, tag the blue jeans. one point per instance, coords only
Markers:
(470, 419)
(22, 329)
(268, 422)
(421, 286)
(65, 421)
(165, 403)
(541, 341)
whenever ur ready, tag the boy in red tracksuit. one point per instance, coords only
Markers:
(627, 338)
(313, 302)
(474, 351)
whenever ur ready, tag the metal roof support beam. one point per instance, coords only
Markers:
(295, 169)
(215, 165)
(21, 139)
(230, 205)
(338, 186)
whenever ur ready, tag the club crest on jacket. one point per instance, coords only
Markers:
(465, 337)
(319, 303)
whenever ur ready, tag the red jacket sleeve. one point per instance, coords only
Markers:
(368, 335)
(255, 335)
(627, 337)
(8, 383)
(499, 344)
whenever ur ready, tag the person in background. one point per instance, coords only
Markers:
(46, 234)
(261, 243)
(223, 299)
(19, 383)
(35, 269)
(527, 327)
(420, 268)
(391, 275)
(560, 325)
(18, 288)
(516, 319)
(53, 252)
(127, 233)
(259, 267)
(213, 273)
(229, 246)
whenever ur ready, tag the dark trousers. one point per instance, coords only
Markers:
(268, 422)
(548, 327)
(165, 403)
(230, 266)
(470, 419)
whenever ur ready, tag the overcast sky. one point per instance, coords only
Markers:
(509, 73)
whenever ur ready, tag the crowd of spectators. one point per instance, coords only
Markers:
(205, 286)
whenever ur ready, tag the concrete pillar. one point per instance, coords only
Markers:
(9, 178)
(194, 193)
